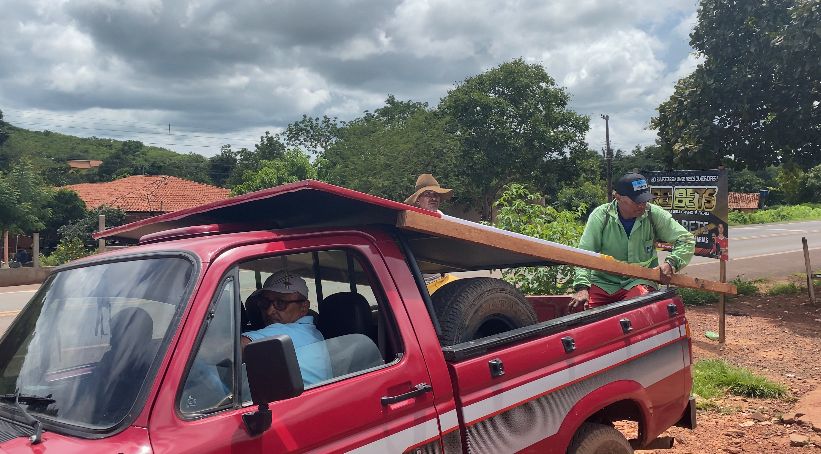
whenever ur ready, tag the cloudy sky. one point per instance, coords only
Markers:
(225, 71)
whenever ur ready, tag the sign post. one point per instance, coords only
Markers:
(697, 199)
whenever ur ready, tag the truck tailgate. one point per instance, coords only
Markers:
(553, 382)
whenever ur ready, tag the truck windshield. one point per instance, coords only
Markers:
(83, 349)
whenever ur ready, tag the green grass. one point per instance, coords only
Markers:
(787, 288)
(804, 212)
(714, 378)
(693, 297)
(746, 288)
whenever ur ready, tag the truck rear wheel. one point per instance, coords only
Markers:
(472, 308)
(599, 439)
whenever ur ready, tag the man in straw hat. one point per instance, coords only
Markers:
(428, 193)
(428, 196)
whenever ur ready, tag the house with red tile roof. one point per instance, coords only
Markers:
(743, 201)
(143, 196)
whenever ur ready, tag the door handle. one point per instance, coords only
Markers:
(417, 390)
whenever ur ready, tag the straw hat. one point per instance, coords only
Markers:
(426, 182)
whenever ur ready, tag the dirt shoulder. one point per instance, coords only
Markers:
(777, 337)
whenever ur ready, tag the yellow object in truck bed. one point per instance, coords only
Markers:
(438, 283)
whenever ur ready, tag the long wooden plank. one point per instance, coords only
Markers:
(478, 234)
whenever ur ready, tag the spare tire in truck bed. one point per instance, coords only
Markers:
(477, 307)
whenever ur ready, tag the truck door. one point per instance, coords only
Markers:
(374, 396)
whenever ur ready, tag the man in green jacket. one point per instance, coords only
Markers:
(627, 229)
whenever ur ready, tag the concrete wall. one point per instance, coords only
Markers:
(23, 276)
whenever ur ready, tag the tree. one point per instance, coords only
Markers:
(581, 197)
(221, 166)
(314, 134)
(191, 166)
(753, 101)
(123, 162)
(294, 165)
(24, 205)
(513, 122)
(384, 151)
(4, 134)
(66, 207)
(82, 228)
(789, 183)
(523, 211)
(649, 158)
(745, 181)
(269, 148)
(810, 186)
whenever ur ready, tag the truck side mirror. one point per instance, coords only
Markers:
(273, 374)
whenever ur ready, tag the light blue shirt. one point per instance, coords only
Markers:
(311, 352)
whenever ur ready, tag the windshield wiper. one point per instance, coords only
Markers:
(27, 399)
(33, 422)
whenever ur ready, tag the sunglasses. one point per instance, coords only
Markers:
(281, 305)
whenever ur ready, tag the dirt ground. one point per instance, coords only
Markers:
(777, 337)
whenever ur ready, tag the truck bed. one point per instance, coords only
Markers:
(548, 388)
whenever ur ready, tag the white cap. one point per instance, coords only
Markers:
(284, 282)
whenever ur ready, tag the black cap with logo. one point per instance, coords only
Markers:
(635, 186)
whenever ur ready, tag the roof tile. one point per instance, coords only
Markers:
(156, 194)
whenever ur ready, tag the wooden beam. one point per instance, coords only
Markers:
(520, 244)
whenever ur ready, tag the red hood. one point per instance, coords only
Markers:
(133, 440)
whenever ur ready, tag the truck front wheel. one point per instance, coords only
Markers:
(599, 439)
(472, 308)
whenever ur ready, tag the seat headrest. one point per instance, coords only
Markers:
(344, 313)
(131, 327)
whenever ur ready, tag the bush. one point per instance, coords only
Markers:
(581, 196)
(522, 211)
(787, 288)
(84, 227)
(784, 213)
(694, 297)
(745, 288)
(745, 181)
(713, 378)
(69, 249)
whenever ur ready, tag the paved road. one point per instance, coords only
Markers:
(12, 299)
(764, 250)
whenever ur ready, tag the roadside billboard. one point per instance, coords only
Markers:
(698, 200)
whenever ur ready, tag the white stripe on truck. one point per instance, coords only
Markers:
(479, 410)
(489, 438)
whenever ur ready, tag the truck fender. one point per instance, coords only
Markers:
(589, 405)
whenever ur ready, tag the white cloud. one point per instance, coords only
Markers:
(232, 68)
(686, 25)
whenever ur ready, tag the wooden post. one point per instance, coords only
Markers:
(5, 249)
(722, 303)
(101, 227)
(810, 287)
(35, 249)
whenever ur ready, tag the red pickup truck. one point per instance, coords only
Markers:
(138, 350)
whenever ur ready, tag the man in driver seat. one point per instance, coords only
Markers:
(282, 304)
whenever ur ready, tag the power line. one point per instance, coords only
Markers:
(85, 119)
(152, 143)
(129, 131)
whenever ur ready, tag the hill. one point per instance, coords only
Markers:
(50, 152)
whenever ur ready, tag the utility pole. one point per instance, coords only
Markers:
(608, 157)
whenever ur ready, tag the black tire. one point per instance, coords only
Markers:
(594, 438)
(472, 308)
